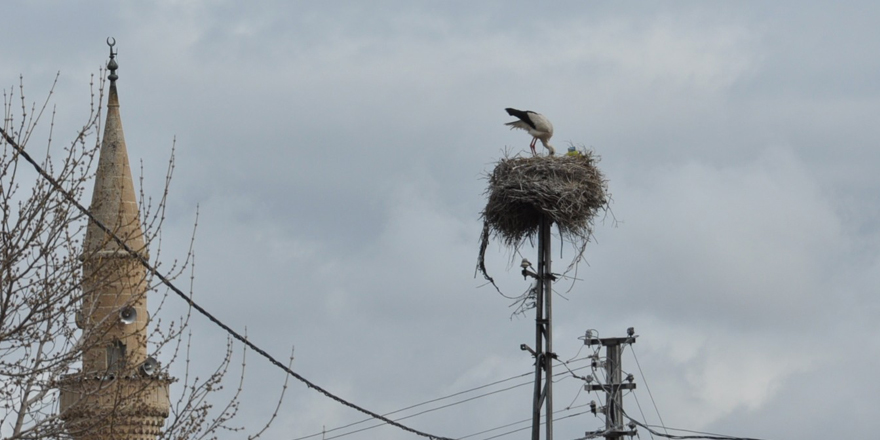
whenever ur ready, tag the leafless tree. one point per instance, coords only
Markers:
(42, 293)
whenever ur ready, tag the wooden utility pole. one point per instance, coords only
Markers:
(614, 419)
(544, 355)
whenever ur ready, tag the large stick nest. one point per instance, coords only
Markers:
(569, 190)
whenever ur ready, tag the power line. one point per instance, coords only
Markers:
(570, 371)
(527, 427)
(639, 405)
(139, 258)
(433, 409)
(497, 428)
(487, 430)
(707, 436)
(633, 350)
(417, 405)
(691, 431)
(323, 432)
(511, 432)
(509, 424)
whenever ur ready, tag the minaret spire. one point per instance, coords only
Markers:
(113, 202)
(119, 394)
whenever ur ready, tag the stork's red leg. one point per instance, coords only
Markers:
(532, 146)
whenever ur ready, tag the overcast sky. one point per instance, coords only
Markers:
(337, 154)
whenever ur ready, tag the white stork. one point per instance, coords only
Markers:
(536, 124)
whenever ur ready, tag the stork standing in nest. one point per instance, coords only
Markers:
(536, 124)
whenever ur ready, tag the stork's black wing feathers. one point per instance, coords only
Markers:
(522, 115)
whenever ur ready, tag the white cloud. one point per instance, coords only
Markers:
(752, 239)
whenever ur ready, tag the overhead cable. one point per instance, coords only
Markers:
(686, 437)
(326, 431)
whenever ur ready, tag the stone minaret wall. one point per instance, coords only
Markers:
(113, 397)
(113, 279)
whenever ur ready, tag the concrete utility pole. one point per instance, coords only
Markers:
(543, 353)
(614, 418)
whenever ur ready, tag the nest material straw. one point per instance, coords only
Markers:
(570, 190)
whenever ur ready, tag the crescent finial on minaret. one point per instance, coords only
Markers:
(111, 65)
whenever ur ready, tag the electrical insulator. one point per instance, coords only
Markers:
(593, 408)
(589, 380)
(630, 378)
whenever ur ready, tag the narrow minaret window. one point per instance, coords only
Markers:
(115, 357)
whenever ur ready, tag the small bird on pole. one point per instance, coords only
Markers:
(536, 124)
